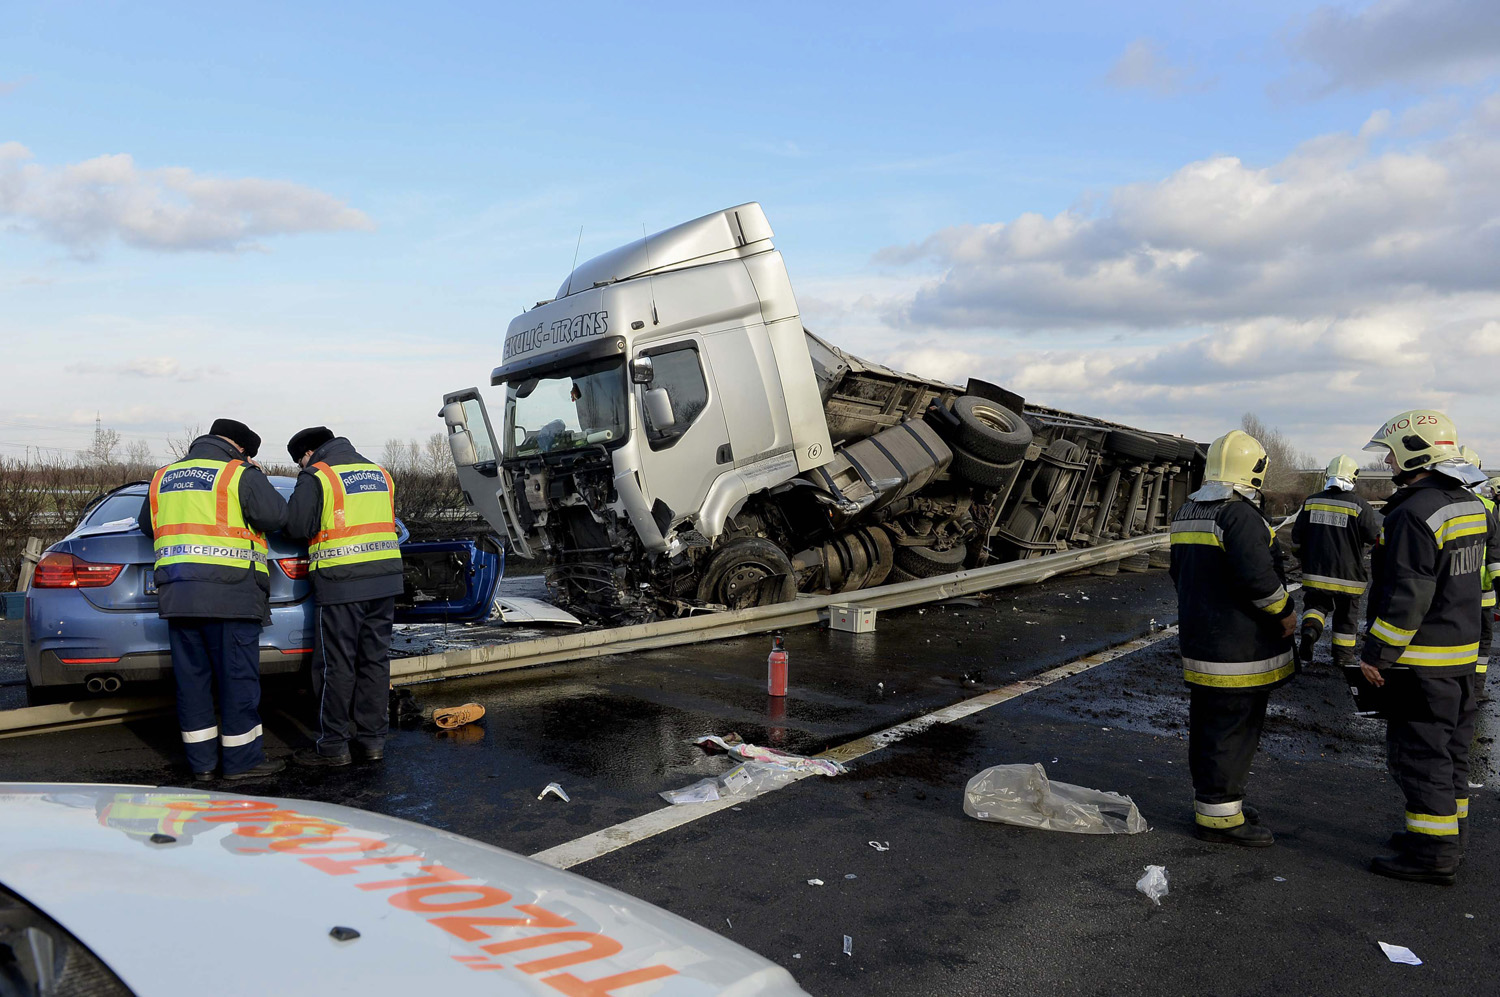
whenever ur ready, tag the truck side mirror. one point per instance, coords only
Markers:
(453, 416)
(642, 370)
(462, 446)
(659, 409)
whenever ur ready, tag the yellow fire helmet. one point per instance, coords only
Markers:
(1237, 458)
(1471, 456)
(1417, 439)
(1343, 466)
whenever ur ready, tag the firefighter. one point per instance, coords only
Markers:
(208, 515)
(1236, 624)
(1487, 577)
(345, 507)
(1330, 536)
(1423, 638)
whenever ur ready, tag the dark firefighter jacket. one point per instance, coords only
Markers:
(1330, 536)
(1231, 596)
(1424, 597)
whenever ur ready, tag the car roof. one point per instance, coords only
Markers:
(281, 482)
(220, 874)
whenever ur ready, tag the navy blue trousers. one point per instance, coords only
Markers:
(225, 653)
(351, 674)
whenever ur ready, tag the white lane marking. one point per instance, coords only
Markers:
(610, 839)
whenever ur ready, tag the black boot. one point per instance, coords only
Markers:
(311, 758)
(1479, 694)
(1247, 835)
(1305, 649)
(264, 770)
(1405, 865)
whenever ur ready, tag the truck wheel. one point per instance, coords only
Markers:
(1128, 444)
(748, 572)
(990, 431)
(979, 471)
(1046, 478)
(897, 576)
(925, 562)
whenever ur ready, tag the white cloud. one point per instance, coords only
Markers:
(1429, 42)
(1144, 66)
(83, 205)
(149, 367)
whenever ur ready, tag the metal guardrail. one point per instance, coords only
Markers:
(804, 610)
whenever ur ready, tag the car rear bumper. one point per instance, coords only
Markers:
(48, 668)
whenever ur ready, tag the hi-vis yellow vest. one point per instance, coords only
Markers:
(197, 520)
(359, 517)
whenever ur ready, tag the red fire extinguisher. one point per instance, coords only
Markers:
(776, 668)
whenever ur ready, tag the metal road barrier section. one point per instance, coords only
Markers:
(803, 611)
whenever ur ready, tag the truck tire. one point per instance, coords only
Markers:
(925, 562)
(1186, 451)
(990, 431)
(1046, 477)
(1128, 444)
(748, 572)
(897, 576)
(981, 472)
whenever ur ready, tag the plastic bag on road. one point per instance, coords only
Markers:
(1153, 883)
(1023, 795)
(745, 779)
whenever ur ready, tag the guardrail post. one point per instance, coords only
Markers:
(29, 558)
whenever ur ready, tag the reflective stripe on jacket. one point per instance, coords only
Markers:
(199, 529)
(359, 518)
(1425, 600)
(1330, 536)
(1490, 574)
(1231, 596)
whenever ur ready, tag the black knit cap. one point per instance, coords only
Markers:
(308, 439)
(238, 432)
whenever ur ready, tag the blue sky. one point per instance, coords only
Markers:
(329, 215)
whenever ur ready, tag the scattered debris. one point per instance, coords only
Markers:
(796, 955)
(1022, 794)
(729, 922)
(1469, 916)
(1400, 954)
(814, 882)
(449, 717)
(760, 771)
(881, 846)
(1154, 883)
(849, 945)
(339, 933)
(850, 875)
(702, 791)
(555, 790)
(1281, 879)
(770, 756)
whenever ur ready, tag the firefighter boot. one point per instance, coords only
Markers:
(1479, 694)
(1247, 835)
(1343, 657)
(1408, 866)
(1305, 648)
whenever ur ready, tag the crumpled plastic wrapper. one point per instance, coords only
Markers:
(1022, 794)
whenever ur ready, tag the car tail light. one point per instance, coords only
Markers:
(64, 571)
(293, 567)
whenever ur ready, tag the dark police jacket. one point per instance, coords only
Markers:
(1330, 536)
(1425, 594)
(249, 597)
(1231, 597)
(354, 582)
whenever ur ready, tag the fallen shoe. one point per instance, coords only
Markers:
(1246, 835)
(1406, 868)
(264, 770)
(311, 758)
(449, 717)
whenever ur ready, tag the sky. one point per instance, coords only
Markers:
(1166, 214)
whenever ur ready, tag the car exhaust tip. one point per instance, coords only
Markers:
(94, 684)
(111, 683)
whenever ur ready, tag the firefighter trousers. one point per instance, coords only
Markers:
(1428, 732)
(223, 653)
(1321, 608)
(1223, 732)
(351, 674)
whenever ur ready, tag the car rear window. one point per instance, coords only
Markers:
(114, 507)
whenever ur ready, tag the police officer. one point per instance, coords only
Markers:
(1487, 577)
(1330, 536)
(208, 515)
(344, 505)
(1423, 638)
(1236, 624)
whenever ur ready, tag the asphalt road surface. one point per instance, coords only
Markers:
(953, 905)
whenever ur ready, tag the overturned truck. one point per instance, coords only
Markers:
(673, 439)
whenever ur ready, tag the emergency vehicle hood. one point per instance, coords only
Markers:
(184, 892)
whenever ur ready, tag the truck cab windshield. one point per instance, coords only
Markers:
(566, 409)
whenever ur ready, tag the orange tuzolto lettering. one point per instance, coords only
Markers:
(343, 867)
(466, 926)
(300, 844)
(574, 987)
(596, 946)
(484, 896)
(436, 874)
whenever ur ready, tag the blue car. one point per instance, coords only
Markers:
(91, 609)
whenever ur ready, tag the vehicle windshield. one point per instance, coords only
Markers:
(566, 410)
(114, 508)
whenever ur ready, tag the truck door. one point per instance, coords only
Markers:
(679, 461)
(475, 455)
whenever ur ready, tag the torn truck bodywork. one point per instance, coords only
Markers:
(674, 439)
